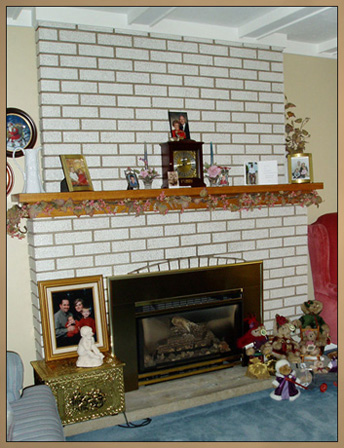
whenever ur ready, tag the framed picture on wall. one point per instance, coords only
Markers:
(179, 125)
(300, 168)
(66, 306)
(76, 173)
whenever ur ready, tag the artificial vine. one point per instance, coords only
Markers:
(161, 204)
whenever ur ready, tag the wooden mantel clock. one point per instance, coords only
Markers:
(185, 157)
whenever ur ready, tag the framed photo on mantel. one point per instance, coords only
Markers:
(76, 173)
(300, 168)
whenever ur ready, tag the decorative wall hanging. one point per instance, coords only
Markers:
(66, 306)
(9, 178)
(21, 131)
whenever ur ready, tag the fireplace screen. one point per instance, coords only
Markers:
(189, 332)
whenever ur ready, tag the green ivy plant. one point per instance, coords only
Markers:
(296, 135)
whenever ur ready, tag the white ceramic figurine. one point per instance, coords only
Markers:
(89, 354)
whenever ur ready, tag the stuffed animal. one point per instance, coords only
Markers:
(312, 319)
(308, 344)
(255, 338)
(319, 367)
(283, 345)
(285, 382)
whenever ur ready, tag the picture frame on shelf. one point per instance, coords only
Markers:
(66, 305)
(173, 181)
(21, 132)
(179, 125)
(300, 168)
(132, 179)
(251, 173)
(76, 172)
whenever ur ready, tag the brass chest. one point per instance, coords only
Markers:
(83, 393)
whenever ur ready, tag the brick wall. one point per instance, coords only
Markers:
(103, 93)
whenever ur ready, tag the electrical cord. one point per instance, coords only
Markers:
(129, 424)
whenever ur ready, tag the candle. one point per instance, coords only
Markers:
(146, 156)
(211, 154)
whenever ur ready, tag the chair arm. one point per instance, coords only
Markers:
(15, 371)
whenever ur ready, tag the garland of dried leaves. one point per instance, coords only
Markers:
(162, 204)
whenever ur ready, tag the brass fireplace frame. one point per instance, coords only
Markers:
(125, 291)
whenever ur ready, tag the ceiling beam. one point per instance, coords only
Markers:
(330, 46)
(149, 16)
(278, 19)
(14, 12)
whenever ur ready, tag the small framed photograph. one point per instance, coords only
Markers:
(76, 173)
(300, 168)
(66, 306)
(173, 180)
(251, 173)
(179, 125)
(133, 182)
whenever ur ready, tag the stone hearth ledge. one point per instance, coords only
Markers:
(176, 395)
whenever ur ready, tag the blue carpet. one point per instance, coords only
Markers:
(253, 417)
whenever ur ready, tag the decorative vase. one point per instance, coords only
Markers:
(31, 175)
(213, 181)
(147, 183)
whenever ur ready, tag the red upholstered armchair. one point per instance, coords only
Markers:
(323, 253)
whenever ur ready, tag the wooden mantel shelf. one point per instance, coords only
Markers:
(161, 200)
(120, 195)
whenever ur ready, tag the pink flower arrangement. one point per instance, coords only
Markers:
(146, 172)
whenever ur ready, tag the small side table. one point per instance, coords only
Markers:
(83, 393)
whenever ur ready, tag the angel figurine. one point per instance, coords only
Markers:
(89, 354)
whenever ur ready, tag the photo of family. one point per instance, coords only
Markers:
(68, 305)
(76, 173)
(179, 125)
(300, 168)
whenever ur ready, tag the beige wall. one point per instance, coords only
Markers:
(309, 82)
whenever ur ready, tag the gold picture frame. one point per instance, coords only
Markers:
(76, 172)
(66, 305)
(300, 168)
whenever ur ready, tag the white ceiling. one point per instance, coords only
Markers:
(309, 30)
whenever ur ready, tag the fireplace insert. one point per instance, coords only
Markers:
(169, 324)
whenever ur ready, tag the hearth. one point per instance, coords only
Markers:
(165, 325)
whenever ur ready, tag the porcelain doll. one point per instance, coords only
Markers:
(89, 354)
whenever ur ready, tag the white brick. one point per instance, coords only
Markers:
(282, 292)
(136, 101)
(147, 255)
(182, 46)
(296, 241)
(135, 78)
(271, 97)
(180, 252)
(129, 53)
(271, 118)
(95, 222)
(222, 237)
(80, 87)
(56, 47)
(59, 98)
(59, 124)
(172, 103)
(295, 220)
(183, 92)
(111, 234)
(46, 34)
(245, 138)
(228, 62)
(273, 304)
(111, 259)
(44, 266)
(257, 107)
(269, 243)
(294, 261)
(256, 255)
(77, 36)
(98, 100)
(213, 50)
(213, 249)
(193, 240)
(73, 237)
(74, 262)
(166, 79)
(255, 85)
(198, 81)
(146, 232)
(181, 69)
(57, 73)
(270, 284)
(259, 129)
(52, 86)
(180, 229)
(229, 83)
(159, 243)
(277, 67)
(241, 224)
(134, 125)
(91, 248)
(244, 117)
(270, 55)
(51, 137)
(48, 59)
(256, 65)
(97, 75)
(79, 111)
(243, 74)
(165, 56)
(197, 59)
(296, 281)
(244, 95)
(80, 137)
(156, 44)
(96, 50)
(127, 221)
(114, 40)
(78, 61)
(213, 93)
(56, 252)
(271, 76)
(48, 225)
(229, 105)
(98, 124)
(283, 272)
(40, 240)
(115, 64)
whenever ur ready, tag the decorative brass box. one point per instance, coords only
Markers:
(83, 393)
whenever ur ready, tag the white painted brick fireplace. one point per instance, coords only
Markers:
(103, 93)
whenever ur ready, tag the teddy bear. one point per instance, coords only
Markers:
(255, 339)
(319, 367)
(308, 344)
(312, 319)
(283, 345)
